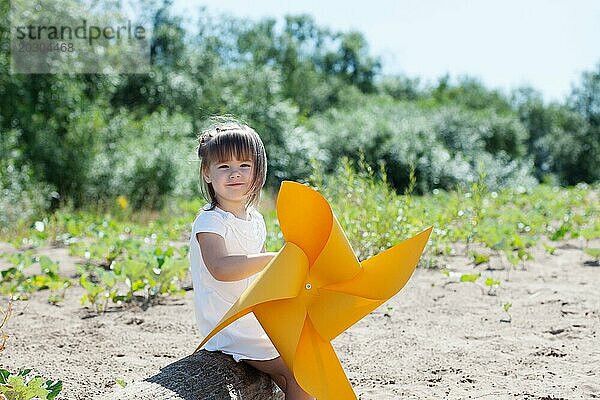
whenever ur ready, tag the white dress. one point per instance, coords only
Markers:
(244, 338)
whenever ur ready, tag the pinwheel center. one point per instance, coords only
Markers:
(309, 292)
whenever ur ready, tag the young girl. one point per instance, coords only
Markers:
(227, 247)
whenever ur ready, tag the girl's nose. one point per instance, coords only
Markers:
(234, 173)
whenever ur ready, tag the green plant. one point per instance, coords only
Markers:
(479, 190)
(549, 249)
(479, 258)
(505, 308)
(153, 274)
(146, 276)
(492, 285)
(590, 233)
(19, 386)
(560, 233)
(470, 277)
(594, 252)
(457, 277)
(18, 284)
(97, 291)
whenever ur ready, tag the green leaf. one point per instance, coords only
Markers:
(561, 232)
(4, 374)
(16, 388)
(524, 255)
(479, 258)
(469, 277)
(107, 278)
(115, 297)
(549, 249)
(517, 242)
(9, 272)
(137, 285)
(592, 251)
(491, 282)
(133, 269)
(54, 388)
(48, 266)
(35, 389)
(512, 258)
(85, 283)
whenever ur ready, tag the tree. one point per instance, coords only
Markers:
(352, 62)
(471, 93)
(557, 137)
(585, 99)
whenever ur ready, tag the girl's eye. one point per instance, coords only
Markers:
(246, 165)
(223, 166)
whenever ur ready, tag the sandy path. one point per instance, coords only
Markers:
(437, 340)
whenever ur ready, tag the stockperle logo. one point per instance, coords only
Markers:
(67, 37)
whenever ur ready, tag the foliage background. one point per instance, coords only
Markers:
(314, 95)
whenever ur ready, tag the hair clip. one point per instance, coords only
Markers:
(230, 128)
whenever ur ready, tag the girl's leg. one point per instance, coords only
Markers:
(283, 377)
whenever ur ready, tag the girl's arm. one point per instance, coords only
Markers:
(229, 267)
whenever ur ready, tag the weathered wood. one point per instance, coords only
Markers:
(203, 376)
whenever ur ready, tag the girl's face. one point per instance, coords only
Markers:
(231, 180)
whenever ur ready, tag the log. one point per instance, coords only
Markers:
(204, 375)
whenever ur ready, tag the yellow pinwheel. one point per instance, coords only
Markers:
(315, 288)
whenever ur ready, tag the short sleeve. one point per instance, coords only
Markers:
(211, 222)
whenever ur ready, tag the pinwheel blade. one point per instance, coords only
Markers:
(305, 218)
(334, 312)
(282, 278)
(283, 321)
(337, 261)
(383, 275)
(317, 368)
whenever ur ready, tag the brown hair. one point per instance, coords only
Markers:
(224, 140)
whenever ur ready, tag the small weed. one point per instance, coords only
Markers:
(506, 307)
(20, 386)
(594, 252)
(479, 258)
(549, 249)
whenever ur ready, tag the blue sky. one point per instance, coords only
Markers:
(546, 44)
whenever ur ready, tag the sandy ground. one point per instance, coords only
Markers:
(436, 339)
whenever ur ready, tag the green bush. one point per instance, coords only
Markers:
(446, 145)
(561, 141)
(21, 195)
(146, 160)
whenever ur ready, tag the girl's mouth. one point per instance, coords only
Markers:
(234, 184)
